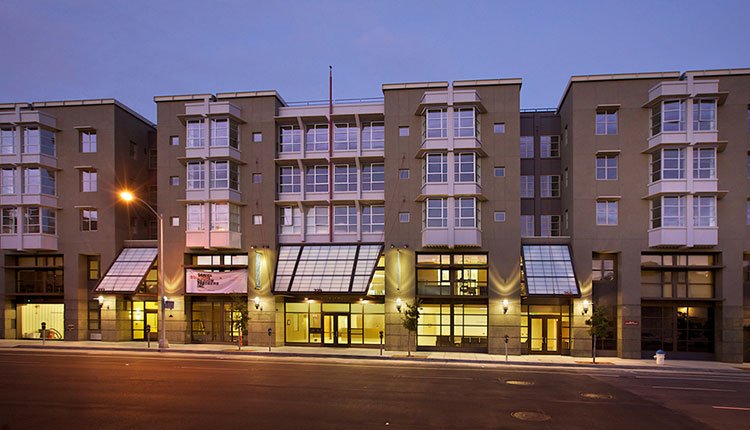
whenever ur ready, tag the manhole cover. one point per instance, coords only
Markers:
(530, 416)
(598, 396)
(519, 382)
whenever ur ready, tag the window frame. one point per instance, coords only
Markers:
(316, 220)
(196, 175)
(373, 218)
(526, 190)
(290, 179)
(87, 141)
(464, 206)
(316, 137)
(436, 213)
(196, 133)
(436, 123)
(89, 219)
(345, 219)
(371, 172)
(549, 146)
(462, 176)
(549, 186)
(606, 121)
(436, 169)
(316, 179)
(345, 178)
(605, 171)
(607, 212)
(193, 211)
(290, 139)
(701, 171)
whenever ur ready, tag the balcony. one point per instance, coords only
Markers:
(217, 195)
(213, 239)
(451, 237)
(223, 152)
(683, 237)
(29, 241)
(468, 288)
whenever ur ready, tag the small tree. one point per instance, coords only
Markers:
(240, 317)
(410, 320)
(598, 326)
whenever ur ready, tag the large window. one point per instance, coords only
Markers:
(677, 276)
(606, 167)
(224, 174)
(527, 226)
(453, 326)
(373, 219)
(316, 179)
(89, 220)
(8, 180)
(7, 140)
(451, 274)
(344, 137)
(464, 122)
(606, 212)
(466, 167)
(373, 135)
(290, 179)
(549, 225)
(196, 133)
(704, 211)
(225, 217)
(467, 212)
(436, 168)
(290, 220)
(196, 218)
(38, 181)
(196, 175)
(606, 121)
(527, 186)
(373, 177)
(290, 139)
(436, 213)
(704, 115)
(549, 186)
(9, 220)
(317, 220)
(316, 138)
(704, 163)
(38, 141)
(668, 164)
(549, 146)
(668, 211)
(676, 328)
(345, 219)
(40, 220)
(345, 177)
(88, 141)
(527, 146)
(224, 133)
(669, 116)
(436, 123)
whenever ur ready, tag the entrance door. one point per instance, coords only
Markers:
(544, 334)
(153, 321)
(336, 329)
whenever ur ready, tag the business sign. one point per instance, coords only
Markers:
(199, 282)
(631, 322)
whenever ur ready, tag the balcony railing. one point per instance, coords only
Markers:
(467, 288)
(38, 288)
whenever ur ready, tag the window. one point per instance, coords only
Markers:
(466, 166)
(499, 216)
(436, 123)
(196, 134)
(344, 177)
(498, 128)
(403, 173)
(225, 217)
(133, 150)
(196, 175)
(224, 133)
(8, 181)
(290, 179)
(373, 135)
(224, 174)
(257, 178)
(403, 217)
(549, 146)
(373, 219)
(464, 122)
(38, 141)
(290, 139)
(316, 138)
(257, 219)
(606, 167)
(436, 168)
(7, 141)
(549, 186)
(88, 141)
(606, 121)
(567, 220)
(565, 177)
(403, 131)
(373, 177)
(174, 181)
(527, 186)
(527, 225)
(38, 181)
(527, 146)
(499, 171)
(174, 140)
(704, 211)
(345, 137)
(668, 164)
(606, 212)
(196, 219)
(9, 220)
(40, 220)
(257, 137)
(89, 219)
(436, 213)
(603, 267)
(668, 211)
(669, 116)
(467, 212)
(174, 221)
(88, 180)
(317, 220)
(704, 163)
(316, 179)
(93, 265)
(704, 115)
(550, 225)
(345, 219)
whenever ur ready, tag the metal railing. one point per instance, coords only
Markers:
(336, 102)
(473, 289)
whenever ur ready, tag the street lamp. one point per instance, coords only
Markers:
(128, 197)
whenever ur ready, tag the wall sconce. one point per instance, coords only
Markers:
(505, 306)
(585, 307)
(398, 305)
(100, 299)
(256, 300)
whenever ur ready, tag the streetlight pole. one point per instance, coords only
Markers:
(161, 329)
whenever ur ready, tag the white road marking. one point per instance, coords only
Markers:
(692, 389)
(235, 369)
(436, 377)
(731, 379)
(731, 408)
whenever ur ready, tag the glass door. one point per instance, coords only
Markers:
(336, 329)
(545, 335)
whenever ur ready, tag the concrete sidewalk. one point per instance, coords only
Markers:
(374, 353)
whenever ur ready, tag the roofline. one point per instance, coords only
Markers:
(182, 97)
(718, 72)
(414, 85)
(261, 93)
(480, 82)
(615, 77)
(88, 102)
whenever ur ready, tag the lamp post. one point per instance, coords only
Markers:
(128, 197)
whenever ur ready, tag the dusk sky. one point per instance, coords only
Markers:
(133, 50)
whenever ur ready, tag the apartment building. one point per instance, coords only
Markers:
(62, 163)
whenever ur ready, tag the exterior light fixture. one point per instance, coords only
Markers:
(256, 300)
(586, 305)
(398, 305)
(100, 299)
(505, 306)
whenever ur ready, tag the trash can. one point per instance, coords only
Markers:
(660, 355)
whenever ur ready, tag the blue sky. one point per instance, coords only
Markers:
(132, 50)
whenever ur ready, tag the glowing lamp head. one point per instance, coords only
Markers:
(586, 305)
(505, 306)
(256, 300)
(100, 299)
(398, 304)
(126, 196)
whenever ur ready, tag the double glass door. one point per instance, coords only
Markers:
(336, 329)
(544, 334)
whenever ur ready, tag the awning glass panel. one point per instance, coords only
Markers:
(128, 270)
(326, 268)
(548, 271)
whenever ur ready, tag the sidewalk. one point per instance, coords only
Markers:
(374, 353)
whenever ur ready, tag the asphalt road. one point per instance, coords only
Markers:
(105, 390)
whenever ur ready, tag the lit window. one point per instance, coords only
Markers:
(466, 167)
(527, 146)
(549, 146)
(345, 177)
(225, 217)
(196, 134)
(316, 138)
(606, 167)
(88, 141)
(344, 137)
(316, 179)
(290, 179)
(436, 168)
(373, 135)
(527, 186)
(196, 175)
(704, 211)
(317, 220)
(290, 139)
(373, 219)
(373, 177)
(549, 186)
(436, 123)
(345, 219)
(704, 163)
(466, 212)
(704, 115)
(606, 212)
(606, 121)
(93, 265)
(436, 213)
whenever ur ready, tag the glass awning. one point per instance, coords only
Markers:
(548, 271)
(128, 270)
(326, 268)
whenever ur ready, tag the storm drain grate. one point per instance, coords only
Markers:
(518, 382)
(530, 416)
(597, 396)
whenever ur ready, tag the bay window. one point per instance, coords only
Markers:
(704, 114)
(290, 139)
(704, 211)
(436, 168)
(436, 213)
(8, 181)
(196, 175)
(316, 138)
(224, 133)
(668, 211)
(196, 218)
(464, 122)
(223, 175)
(669, 163)
(704, 163)
(196, 133)
(467, 212)
(466, 167)
(668, 116)
(7, 140)
(9, 220)
(436, 123)
(225, 217)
